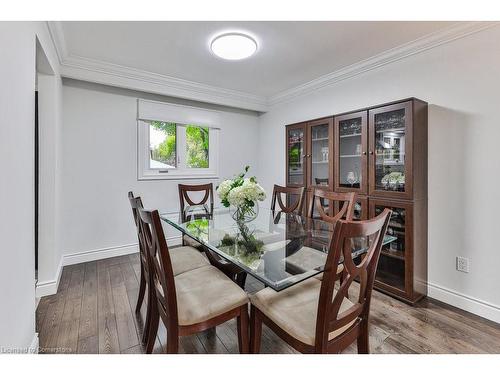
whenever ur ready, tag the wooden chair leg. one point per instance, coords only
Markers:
(363, 338)
(255, 330)
(242, 321)
(172, 341)
(153, 328)
(142, 290)
(147, 324)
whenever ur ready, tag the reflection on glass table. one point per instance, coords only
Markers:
(278, 249)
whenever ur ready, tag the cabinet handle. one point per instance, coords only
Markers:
(371, 152)
(364, 152)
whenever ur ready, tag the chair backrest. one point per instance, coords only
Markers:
(345, 235)
(184, 197)
(296, 206)
(160, 266)
(317, 202)
(136, 204)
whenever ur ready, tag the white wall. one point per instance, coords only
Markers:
(100, 166)
(461, 82)
(49, 87)
(17, 99)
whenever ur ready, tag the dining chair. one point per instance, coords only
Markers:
(184, 259)
(346, 212)
(289, 192)
(186, 200)
(193, 301)
(319, 196)
(315, 317)
(234, 272)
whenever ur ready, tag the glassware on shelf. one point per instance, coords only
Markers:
(351, 178)
(351, 127)
(324, 151)
(358, 149)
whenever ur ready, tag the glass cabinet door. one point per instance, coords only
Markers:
(390, 150)
(320, 152)
(392, 268)
(296, 147)
(350, 152)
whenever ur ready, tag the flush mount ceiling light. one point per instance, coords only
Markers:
(233, 46)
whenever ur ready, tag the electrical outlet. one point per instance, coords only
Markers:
(463, 264)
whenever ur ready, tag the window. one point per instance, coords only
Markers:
(176, 141)
(170, 150)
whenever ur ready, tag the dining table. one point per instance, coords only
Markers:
(277, 248)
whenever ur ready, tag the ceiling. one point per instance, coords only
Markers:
(289, 54)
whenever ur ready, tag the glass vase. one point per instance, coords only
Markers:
(245, 213)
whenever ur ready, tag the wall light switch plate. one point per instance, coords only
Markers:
(463, 264)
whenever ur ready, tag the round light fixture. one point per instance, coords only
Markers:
(233, 46)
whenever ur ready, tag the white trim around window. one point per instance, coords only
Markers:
(155, 111)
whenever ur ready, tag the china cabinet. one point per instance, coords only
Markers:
(380, 153)
(309, 155)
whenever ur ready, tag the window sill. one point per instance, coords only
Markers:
(179, 177)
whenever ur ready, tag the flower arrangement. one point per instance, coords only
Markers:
(242, 194)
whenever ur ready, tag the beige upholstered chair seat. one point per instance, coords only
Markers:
(308, 258)
(205, 293)
(295, 309)
(186, 258)
(193, 243)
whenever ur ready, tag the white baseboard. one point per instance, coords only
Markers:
(33, 349)
(98, 254)
(474, 305)
(46, 288)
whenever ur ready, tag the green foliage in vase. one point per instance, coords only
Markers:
(244, 245)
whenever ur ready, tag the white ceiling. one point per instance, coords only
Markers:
(290, 53)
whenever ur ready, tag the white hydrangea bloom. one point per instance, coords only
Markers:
(236, 196)
(224, 188)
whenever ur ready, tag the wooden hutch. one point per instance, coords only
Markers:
(380, 153)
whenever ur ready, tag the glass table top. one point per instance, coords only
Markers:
(276, 248)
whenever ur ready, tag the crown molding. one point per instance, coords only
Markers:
(96, 71)
(82, 68)
(409, 49)
(57, 36)
(90, 70)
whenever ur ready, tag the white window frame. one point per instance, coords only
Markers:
(144, 172)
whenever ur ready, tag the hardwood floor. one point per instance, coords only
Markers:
(93, 312)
